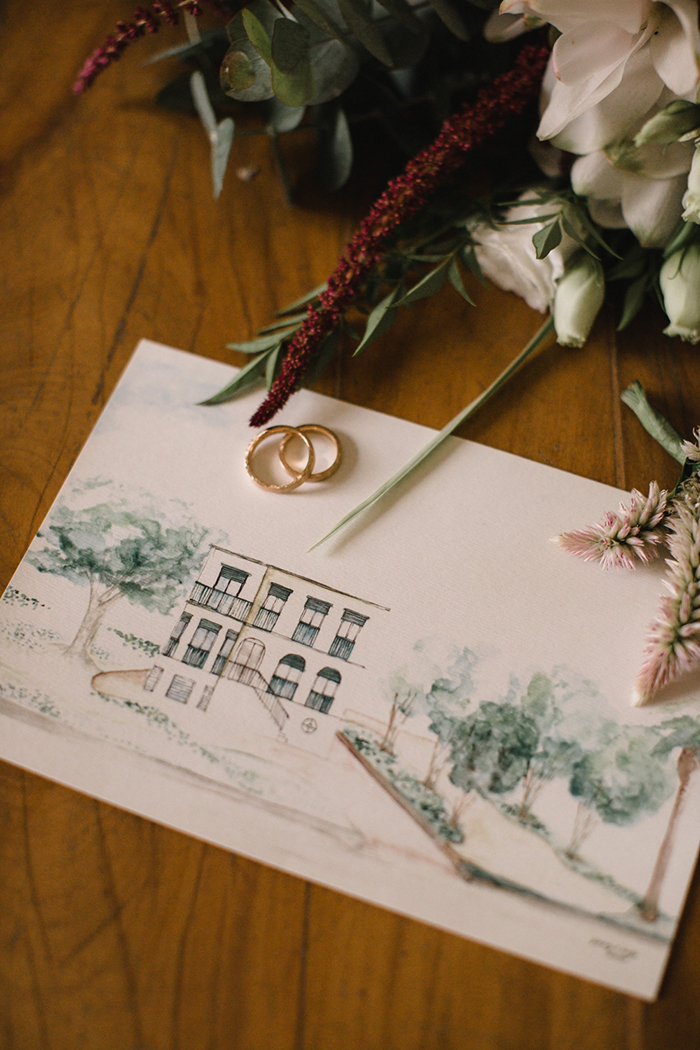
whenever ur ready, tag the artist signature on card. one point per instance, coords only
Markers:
(618, 952)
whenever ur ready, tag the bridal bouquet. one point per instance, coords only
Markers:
(589, 107)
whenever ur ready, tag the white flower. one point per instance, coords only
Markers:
(640, 188)
(616, 56)
(578, 298)
(507, 255)
(680, 286)
(691, 197)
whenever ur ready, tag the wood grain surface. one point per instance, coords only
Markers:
(117, 934)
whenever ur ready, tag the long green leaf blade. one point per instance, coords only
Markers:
(537, 340)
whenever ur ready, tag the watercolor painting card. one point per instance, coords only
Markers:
(430, 712)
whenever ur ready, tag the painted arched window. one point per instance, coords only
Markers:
(323, 692)
(285, 680)
(246, 660)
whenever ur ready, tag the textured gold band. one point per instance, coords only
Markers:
(298, 477)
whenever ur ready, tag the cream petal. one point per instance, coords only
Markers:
(568, 102)
(607, 214)
(588, 53)
(613, 116)
(627, 14)
(652, 208)
(594, 176)
(675, 47)
(660, 162)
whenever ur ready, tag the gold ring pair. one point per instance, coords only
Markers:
(298, 476)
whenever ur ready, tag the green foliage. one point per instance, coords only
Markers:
(427, 802)
(12, 596)
(624, 776)
(141, 645)
(126, 551)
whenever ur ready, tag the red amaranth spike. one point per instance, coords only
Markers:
(506, 97)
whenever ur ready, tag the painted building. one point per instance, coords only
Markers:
(258, 643)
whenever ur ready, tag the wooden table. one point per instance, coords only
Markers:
(117, 933)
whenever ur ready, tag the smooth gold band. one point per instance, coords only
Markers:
(312, 428)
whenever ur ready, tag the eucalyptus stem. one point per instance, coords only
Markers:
(535, 343)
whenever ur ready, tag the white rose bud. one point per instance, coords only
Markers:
(578, 298)
(691, 197)
(670, 124)
(680, 286)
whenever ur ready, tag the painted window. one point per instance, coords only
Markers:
(201, 643)
(246, 660)
(269, 612)
(177, 634)
(285, 680)
(344, 642)
(205, 697)
(306, 631)
(180, 689)
(230, 579)
(225, 651)
(323, 693)
(224, 596)
(152, 679)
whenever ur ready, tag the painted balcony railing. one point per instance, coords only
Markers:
(305, 633)
(227, 604)
(341, 647)
(195, 657)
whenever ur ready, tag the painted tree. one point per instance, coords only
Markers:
(116, 550)
(491, 748)
(557, 751)
(446, 701)
(617, 781)
(683, 733)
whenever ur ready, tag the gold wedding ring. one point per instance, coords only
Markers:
(312, 428)
(299, 476)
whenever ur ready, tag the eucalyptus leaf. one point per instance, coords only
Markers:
(334, 149)
(379, 321)
(334, 67)
(538, 339)
(246, 377)
(404, 14)
(257, 34)
(220, 151)
(450, 15)
(280, 117)
(547, 239)
(359, 21)
(292, 80)
(428, 285)
(653, 421)
(200, 97)
(244, 74)
(321, 18)
(455, 279)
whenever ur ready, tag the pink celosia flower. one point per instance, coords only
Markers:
(633, 535)
(674, 638)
